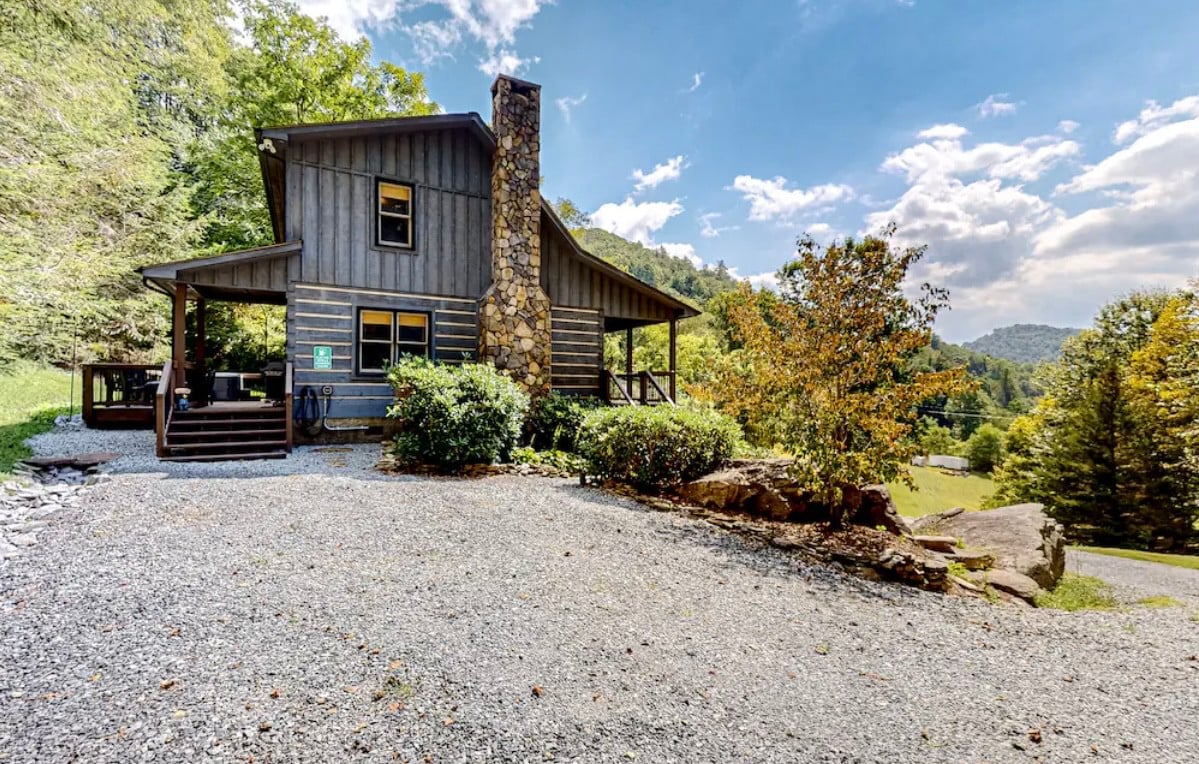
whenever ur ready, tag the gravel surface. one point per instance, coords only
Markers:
(1133, 579)
(309, 610)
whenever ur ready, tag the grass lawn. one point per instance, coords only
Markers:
(940, 491)
(1177, 560)
(30, 398)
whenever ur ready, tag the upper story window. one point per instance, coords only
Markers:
(393, 216)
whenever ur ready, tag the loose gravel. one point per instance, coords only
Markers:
(310, 610)
(1134, 580)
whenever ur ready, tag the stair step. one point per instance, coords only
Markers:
(203, 445)
(225, 457)
(249, 421)
(190, 433)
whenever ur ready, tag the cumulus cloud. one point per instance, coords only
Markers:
(1067, 126)
(671, 169)
(683, 252)
(493, 23)
(504, 61)
(1154, 116)
(770, 199)
(708, 228)
(566, 105)
(994, 106)
(1010, 253)
(946, 132)
(636, 221)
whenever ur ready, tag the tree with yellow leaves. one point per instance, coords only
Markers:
(823, 371)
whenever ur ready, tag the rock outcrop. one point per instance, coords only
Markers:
(764, 488)
(1021, 538)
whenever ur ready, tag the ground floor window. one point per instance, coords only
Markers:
(386, 335)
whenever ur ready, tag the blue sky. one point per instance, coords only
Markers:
(1046, 152)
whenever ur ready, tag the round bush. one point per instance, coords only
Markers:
(453, 415)
(554, 421)
(654, 447)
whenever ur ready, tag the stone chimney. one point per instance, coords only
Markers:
(514, 316)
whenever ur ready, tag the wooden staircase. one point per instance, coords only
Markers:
(220, 433)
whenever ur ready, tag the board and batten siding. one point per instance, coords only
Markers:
(319, 314)
(331, 206)
(577, 350)
(269, 274)
(570, 280)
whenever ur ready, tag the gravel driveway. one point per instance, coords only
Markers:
(340, 615)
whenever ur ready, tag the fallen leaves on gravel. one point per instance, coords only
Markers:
(538, 691)
(166, 684)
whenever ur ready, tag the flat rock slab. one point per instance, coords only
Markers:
(1013, 583)
(76, 461)
(937, 543)
(1021, 538)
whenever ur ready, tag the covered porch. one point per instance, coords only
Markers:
(641, 387)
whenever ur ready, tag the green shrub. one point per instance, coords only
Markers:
(554, 421)
(455, 414)
(658, 446)
(985, 448)
(1074, 592)
(559, 460)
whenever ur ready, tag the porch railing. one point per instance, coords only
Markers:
(640, 387)
(164, 404)
(119, 394)
(288, 373)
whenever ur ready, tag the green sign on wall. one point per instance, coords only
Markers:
(322, 357)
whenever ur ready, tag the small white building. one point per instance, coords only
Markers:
(959, 463)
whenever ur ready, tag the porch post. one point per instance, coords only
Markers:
(179, 335)
(201, 332)
(674, 334)
(628, 360)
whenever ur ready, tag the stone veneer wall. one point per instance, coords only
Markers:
(514, 314)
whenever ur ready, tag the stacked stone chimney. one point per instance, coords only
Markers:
(515, 311)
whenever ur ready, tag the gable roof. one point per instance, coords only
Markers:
(272, 161)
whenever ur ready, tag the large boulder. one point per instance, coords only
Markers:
(765, 488)
(1020, 537)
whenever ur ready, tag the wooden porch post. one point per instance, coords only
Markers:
(179, 335)
(674, 335)
(201, 332)
(628, 360)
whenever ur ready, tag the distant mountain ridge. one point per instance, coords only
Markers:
(1023, 343)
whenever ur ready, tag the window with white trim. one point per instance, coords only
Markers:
(393, 214)
(386, 335)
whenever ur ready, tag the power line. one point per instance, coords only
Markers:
(968, 414)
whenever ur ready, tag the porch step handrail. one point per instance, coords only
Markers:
(612, 379)
(288, 373)
(648, 377)
(164, 403)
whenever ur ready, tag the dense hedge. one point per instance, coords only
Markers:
(653, 447)
(453, 415)
(554, 421)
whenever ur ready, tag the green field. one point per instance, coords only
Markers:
(1177, 560)
(939, 491)
(30, 398)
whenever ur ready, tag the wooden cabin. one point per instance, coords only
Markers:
(421, 235)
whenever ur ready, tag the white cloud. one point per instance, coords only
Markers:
(946, 132)
(697, 79)
(1067, 126)
(1009, 252)
(819, 230)
(994, 106)
(636, 221)
(671, 169)
(770, 199)
(566, 105)
(504, 61)
(493, 23)
(1154, 116)
(683, 252)
(764, 280)
(709, 229)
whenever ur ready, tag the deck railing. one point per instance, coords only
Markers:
(164, 404)
(640, 387)
(119, 394)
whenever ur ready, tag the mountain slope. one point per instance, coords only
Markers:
(1024, 343)
(671, 274)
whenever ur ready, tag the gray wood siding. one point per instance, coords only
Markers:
(331, 206)
(571, 281)
(319, 314)
(271, 274)
(577, 351)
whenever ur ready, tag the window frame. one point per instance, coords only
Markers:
(377, 238)
(394, 343)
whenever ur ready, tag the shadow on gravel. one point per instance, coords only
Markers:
(743, 553)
